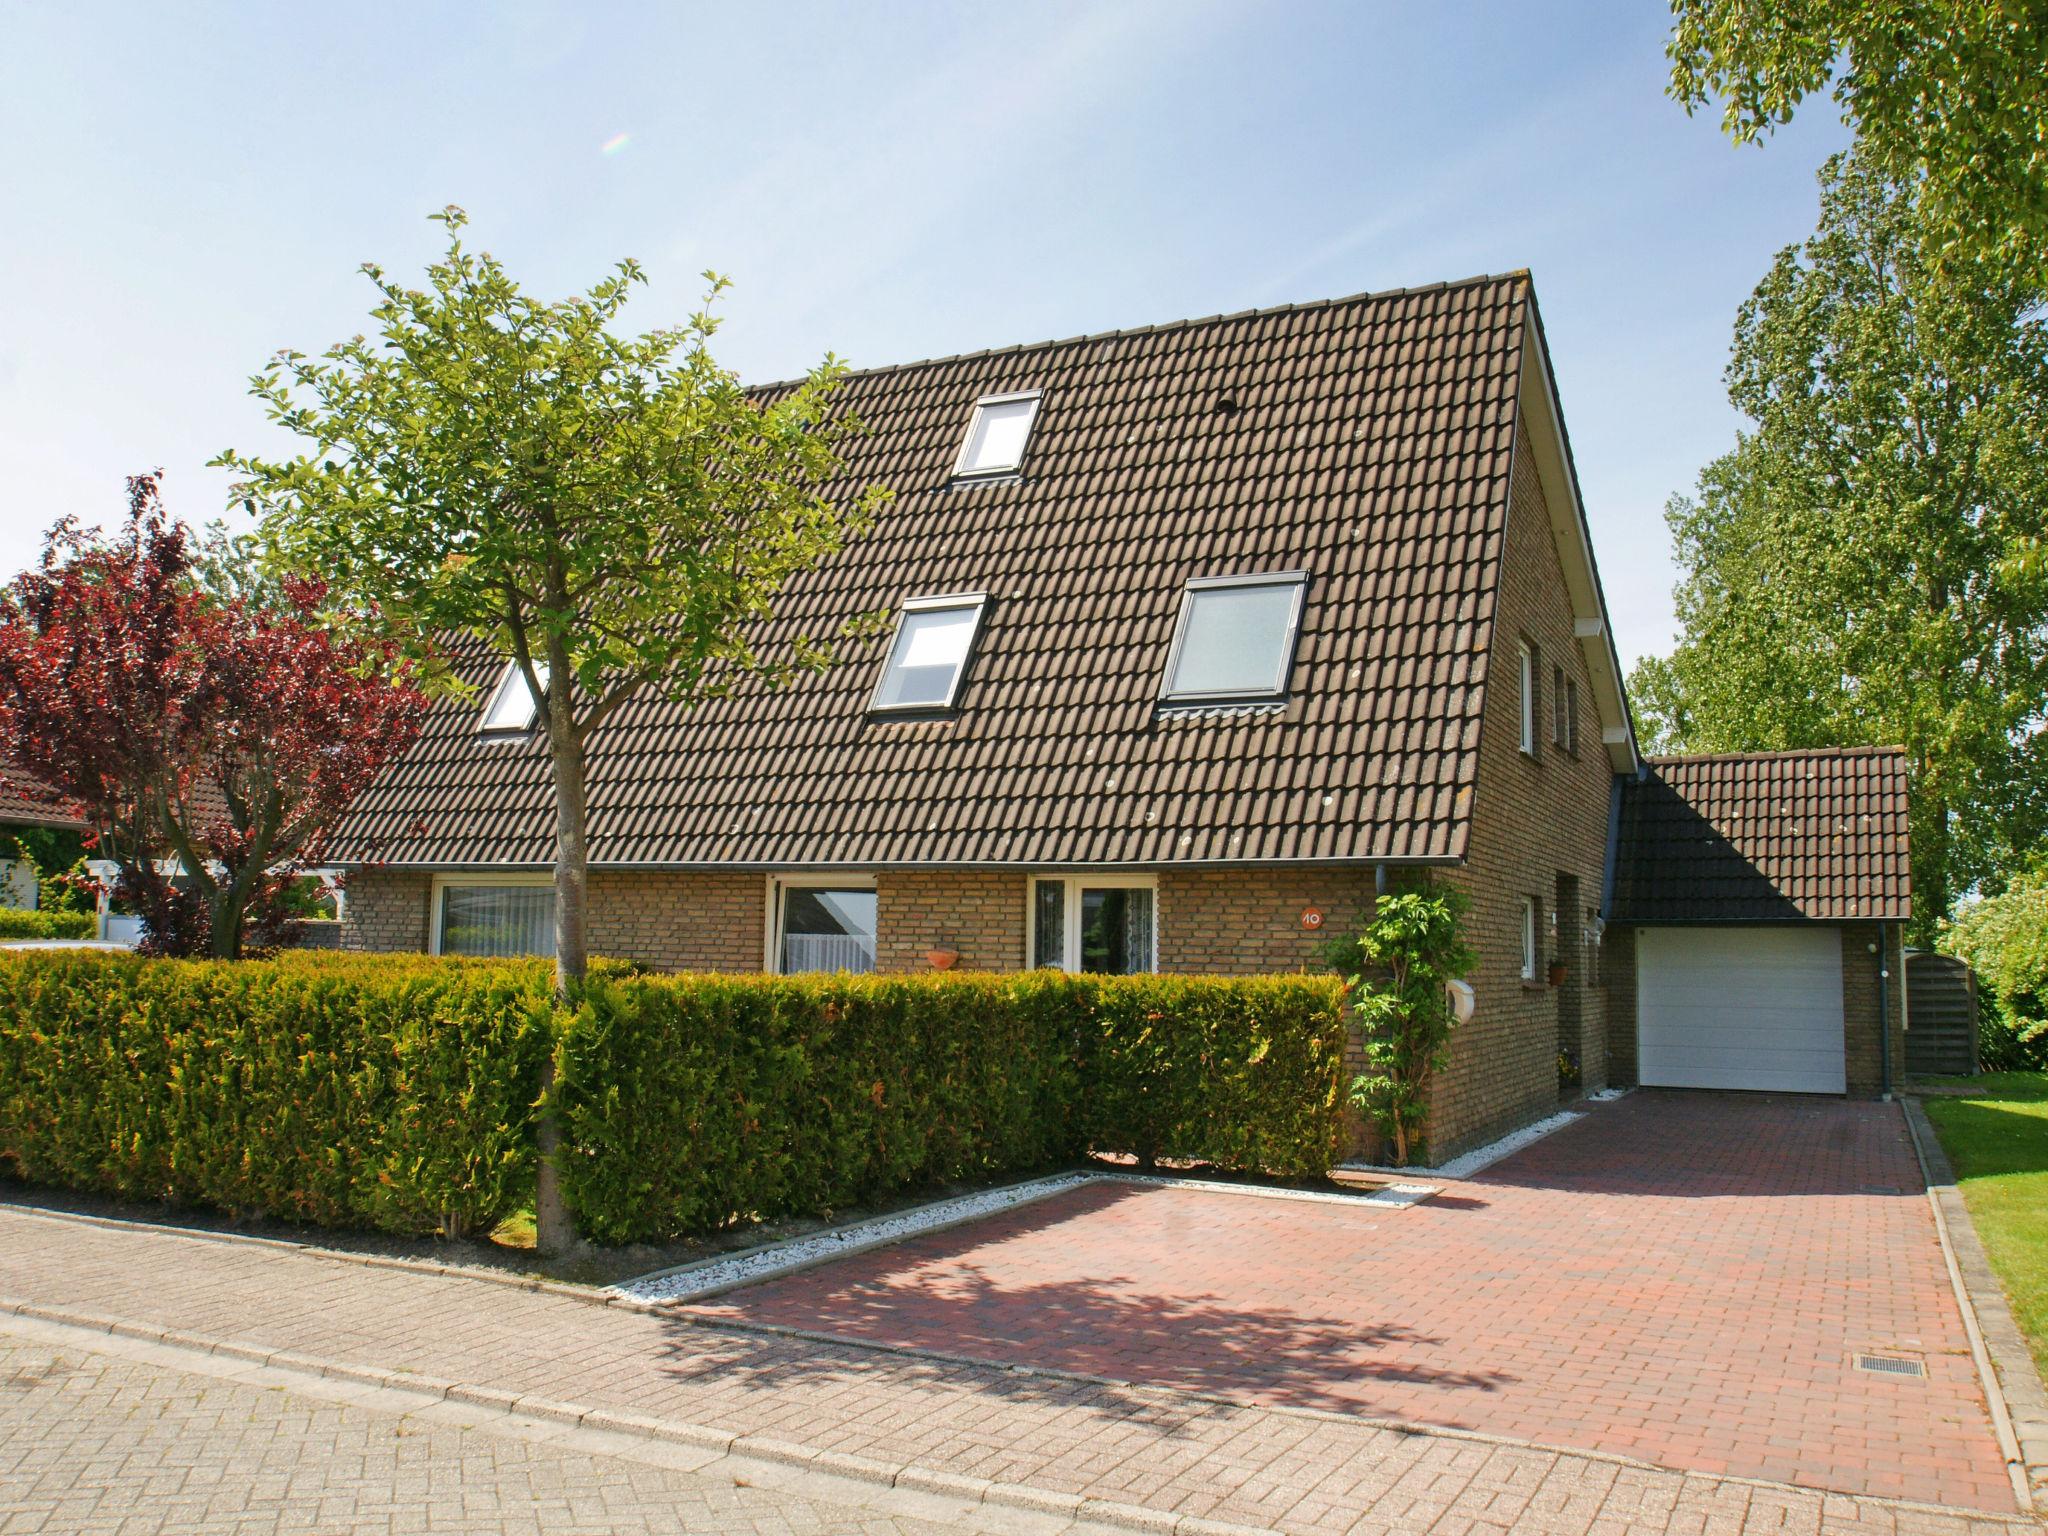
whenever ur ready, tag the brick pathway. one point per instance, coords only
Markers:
(1680, 1278)
(90, 1443)
(1170, 1452)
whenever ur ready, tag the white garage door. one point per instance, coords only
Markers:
(1740, 1008)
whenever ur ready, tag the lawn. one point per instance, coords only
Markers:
(1998, 1141)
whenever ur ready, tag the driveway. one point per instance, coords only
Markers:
(1681, 1278)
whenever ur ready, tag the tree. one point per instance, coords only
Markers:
(1950, 92)
(615, 516)
(2004, 938)
(1865, 565)
(211, 733)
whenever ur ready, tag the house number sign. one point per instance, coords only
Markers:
(1311, 918)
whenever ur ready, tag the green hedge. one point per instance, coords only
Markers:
(343, 1090)
(23, 923)
(690, 1103)
(399, 1092)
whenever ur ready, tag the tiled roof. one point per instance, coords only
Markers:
(1365, 440)
(1765, 837)
(27, 802)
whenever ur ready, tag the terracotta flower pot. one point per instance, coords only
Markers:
(1557, 973)
(941, 959)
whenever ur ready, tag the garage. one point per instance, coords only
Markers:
(1756, 1008)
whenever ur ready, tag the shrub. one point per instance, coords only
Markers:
(343, 1090)
(2004, 939)
(21, 923)
(690, 1103)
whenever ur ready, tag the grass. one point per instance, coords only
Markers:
(1998, 1141)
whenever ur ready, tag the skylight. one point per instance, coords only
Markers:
(998, 435)
(933, 638)
(511, 706)
(1235, 639)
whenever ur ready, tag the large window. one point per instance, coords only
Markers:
(494, 918)
(1235, 639)
(511, 703)
(824, 927)
(933, 639)
(998, 435)
(1102, 923)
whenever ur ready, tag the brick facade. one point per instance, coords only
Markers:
(1539, 829)
(1860, 991)
(1225, 922)
(386, 910)
(979, 913)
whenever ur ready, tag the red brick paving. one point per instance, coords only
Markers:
(1679, 1277)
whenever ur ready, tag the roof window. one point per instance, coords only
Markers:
(1235, 639)
(933, 638)
(511, 706)
(998, 435)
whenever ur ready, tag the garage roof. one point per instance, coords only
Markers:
(1761, 837)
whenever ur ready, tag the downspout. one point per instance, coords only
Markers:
(1884, 1014)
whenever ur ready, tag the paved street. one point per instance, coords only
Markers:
(1169, 1455)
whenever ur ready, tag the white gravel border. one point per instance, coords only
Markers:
(1482, 1158)
(709, 1277)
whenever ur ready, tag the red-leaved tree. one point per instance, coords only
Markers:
(212, 740)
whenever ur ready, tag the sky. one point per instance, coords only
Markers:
(186, 189)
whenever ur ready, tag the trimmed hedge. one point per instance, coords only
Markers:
(27, 923)
(690, 1103)
(399, 1091)
(347, 1091)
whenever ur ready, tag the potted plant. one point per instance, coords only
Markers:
(1557, 973)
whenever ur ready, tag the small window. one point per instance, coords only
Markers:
(1529, 675)
(933, 638)
(511, 706)
(1557, 705)
(494, 920)
(1528, 938)
(1106, 924)
(998, 435)
(826, 928)
(1571, 716)
(1235, 638)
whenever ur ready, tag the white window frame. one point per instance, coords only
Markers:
(510, 680)
(963, 471)
(1070, 940)
(1530, 937)
(1528, 699)
(977, 602)
(771, 939)
(1283, 674)
(440, 890)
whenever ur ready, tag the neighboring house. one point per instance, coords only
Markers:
(27, 802)
(1204, 634)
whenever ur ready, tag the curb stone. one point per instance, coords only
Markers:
(2020, 1402)
(864, 1469)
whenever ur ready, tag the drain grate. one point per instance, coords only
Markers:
(1879, 1189)
(1890, 1365)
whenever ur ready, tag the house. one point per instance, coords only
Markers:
(27, 804)
(1203, 634)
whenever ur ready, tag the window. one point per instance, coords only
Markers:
(933, 637)
(1235, 638)
(1528, 938)
(1557, 726)
(998, 435)
(1529, 675)
(506, 916)
(821, 926)
(1102, 923)
(511, 705)
(1571, 716)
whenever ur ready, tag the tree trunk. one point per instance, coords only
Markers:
(553, 1229)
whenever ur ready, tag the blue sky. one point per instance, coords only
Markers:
(184, 189)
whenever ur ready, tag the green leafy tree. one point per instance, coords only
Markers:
(1952, 91)
(614, 515)
(1865, 565)
(1399, 969)
(2005, 940)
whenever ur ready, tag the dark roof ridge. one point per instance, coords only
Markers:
(1871, 750)
(1084, 338)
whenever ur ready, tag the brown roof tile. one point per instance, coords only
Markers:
(29, 802)
(1765, 837)
(1371, 448)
